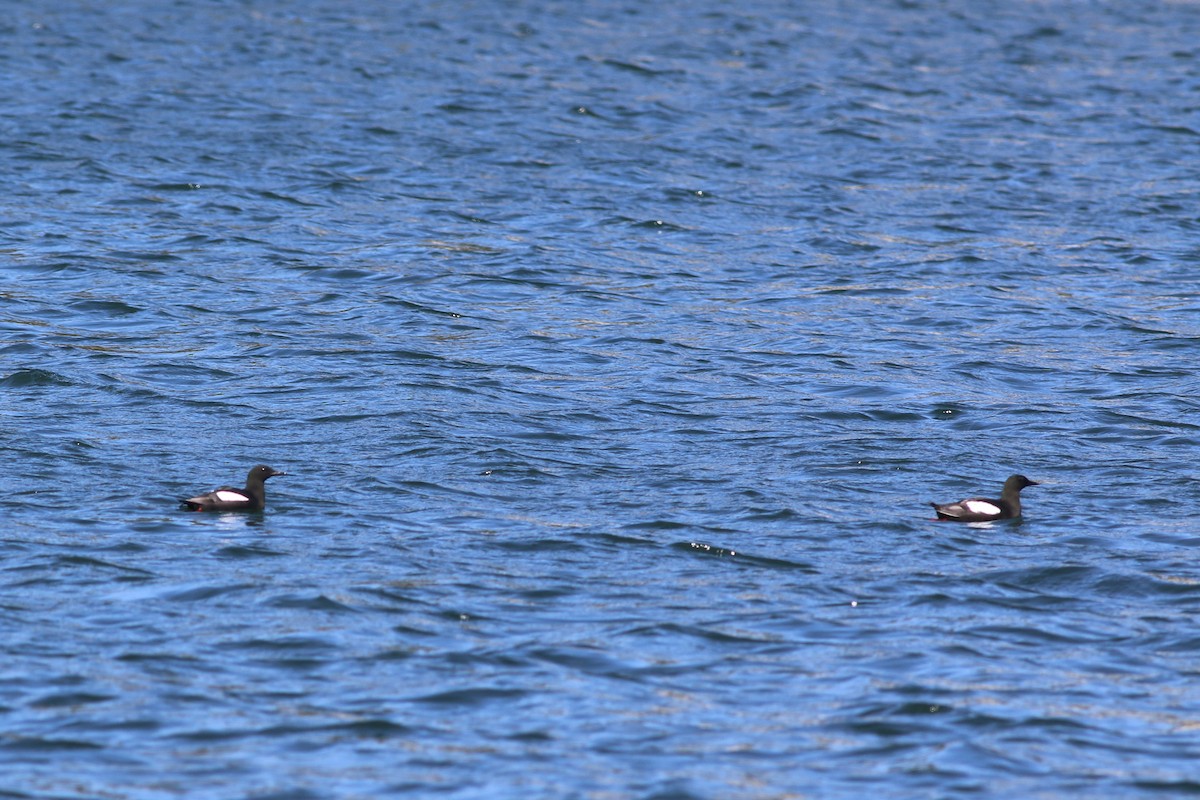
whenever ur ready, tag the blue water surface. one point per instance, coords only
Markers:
(614, 352)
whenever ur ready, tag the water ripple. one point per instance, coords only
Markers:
(614, 358)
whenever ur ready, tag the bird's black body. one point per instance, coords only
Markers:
(979, 509)
(251, 498)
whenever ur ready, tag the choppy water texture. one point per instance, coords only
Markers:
(614, 351)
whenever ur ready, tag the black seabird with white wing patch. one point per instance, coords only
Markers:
(252, 498)
(979, 509)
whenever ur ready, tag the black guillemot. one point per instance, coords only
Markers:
(252, 498)
(979, 509)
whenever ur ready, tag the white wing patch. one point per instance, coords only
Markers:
(980, 507)
(229, 496)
